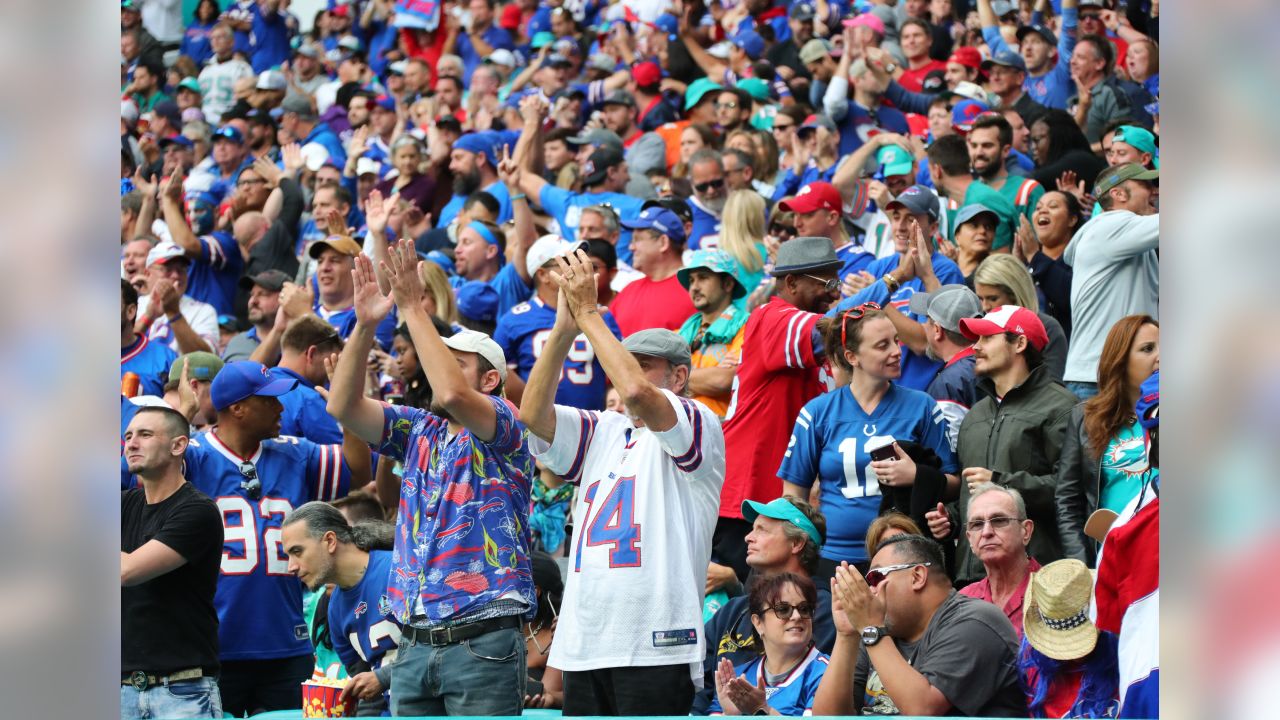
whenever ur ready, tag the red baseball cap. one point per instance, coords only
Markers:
(814, 196)
(1007, 318)
(967, 56)
(510, 18)
(646, 73)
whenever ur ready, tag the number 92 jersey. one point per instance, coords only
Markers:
(830, 442)
(259, 602)
(522, 334)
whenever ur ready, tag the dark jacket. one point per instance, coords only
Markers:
(1076, 497)
(275, 250)
(1020, 440)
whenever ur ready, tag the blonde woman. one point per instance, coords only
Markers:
(439, 299)
(742, 230)
(1002, 279)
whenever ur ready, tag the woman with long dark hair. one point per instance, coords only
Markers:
(195, 42)
(1058, 146)
(1104, 460)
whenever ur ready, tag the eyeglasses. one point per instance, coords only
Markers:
(998, 523)
(727, 106)
(783, 611)
(877, 575)
(783, 229)
(709, 185)
(251, 484)
(830, 286)
(854, 314)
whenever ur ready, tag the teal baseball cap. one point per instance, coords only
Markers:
(781, 509)
(756, 88)
(717, 261)
(542, 39)
(697, 90)
(894, 160)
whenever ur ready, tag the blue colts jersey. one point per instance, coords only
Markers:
(358, 622)
(830, 442)
(522, 334)
(259, 601)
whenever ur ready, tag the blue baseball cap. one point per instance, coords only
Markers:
(918, 200)
(965, 112)
(668, 24)
(228, 133)
(1007, 58)
(478, 301)
(182, 140)
(750, 42)
(1041, 30)
(479, 142)
(658, 219)
(781, 509)
(1148, 406)
(245, 378)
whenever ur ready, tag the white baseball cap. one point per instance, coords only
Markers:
(503, 57)
(271, 80)
(315, 156)
(482, 345)
(547, 248)
(366, 165)
(164, 252)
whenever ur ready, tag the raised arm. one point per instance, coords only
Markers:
(526, 234)
(537, 406)
(176, 219)
(577, 280)
(347, 401)
(469, 406)
(712, 66)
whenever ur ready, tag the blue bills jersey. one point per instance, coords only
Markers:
(151, 360)
(522, 334)
(830, 442)
(214, 276)
(359, 624)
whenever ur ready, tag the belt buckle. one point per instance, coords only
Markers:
(439, 637)
(138, 680)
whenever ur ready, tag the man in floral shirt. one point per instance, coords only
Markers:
(461, 582)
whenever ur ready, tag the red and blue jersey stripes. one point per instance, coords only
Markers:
(691, 459)
(151, 361)
(588, 432)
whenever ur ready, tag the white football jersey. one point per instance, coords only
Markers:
(217, 85)
(645, 512)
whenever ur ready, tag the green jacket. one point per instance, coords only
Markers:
(1020, 440)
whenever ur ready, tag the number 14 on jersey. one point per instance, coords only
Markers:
(611, 523)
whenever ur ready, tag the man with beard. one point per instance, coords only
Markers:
(474, 164)
(710, 192)
(461, 583)
(990, 141)
(324, 549)
(716, 330)
(949, 169)
(782, 356)
(1048, 80)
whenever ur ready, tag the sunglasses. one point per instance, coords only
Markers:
(877, 576)
(854, 314)
(782, 229)
(783, 611)
(830, 286)
(709, 185)
(998, 523)
(251, 484)
(788, 126)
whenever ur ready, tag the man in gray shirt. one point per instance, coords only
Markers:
(907, 643)
(1115, 266)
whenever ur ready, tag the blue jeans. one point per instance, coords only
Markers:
(481, 676)
(1082, 390)
(198, 698)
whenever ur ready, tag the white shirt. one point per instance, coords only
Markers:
(644, 514)
(199, 315)
(163, 19)
(217, 85)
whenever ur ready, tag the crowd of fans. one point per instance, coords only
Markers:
(742, 357)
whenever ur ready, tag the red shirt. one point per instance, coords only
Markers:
(1012, 608)
(778, 374)
(645, 304)
(912, 79)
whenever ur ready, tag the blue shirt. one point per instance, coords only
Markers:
(830, 441)
(462, 526)
(270, 39)
(522, 334)
(566, 207)
(499, 192)
(304, 412)
(358, 626)
(325, 137)
(214, 277)
(917, 370)
(151, 361)
(259, 601)
(791, 697)
(855, 129)
(494, 35)
(855, 258)
(345, 321)
(1053, 88)
(195, 43)
(243, 10)
(704, 224)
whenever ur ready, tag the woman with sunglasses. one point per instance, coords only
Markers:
(783, 680)
(835, 433)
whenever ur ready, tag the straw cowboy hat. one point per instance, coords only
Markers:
(1055, 616)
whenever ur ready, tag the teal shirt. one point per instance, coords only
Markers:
(327, 662)
(979, 194)
(1125, 469)
(1022, 192)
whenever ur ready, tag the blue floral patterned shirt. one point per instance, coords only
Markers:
(462, 528)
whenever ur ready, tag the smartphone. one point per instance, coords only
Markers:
(881, 449)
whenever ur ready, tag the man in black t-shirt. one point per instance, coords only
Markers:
(907, 643)
(170, 549)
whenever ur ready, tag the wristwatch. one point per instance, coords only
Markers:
(890, 68)
(872, 634)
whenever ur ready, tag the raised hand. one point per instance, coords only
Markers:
(268, 170)
(748, 698)
(939, 523)
(565, 321)
(859, 604)
(401, 271)
(839, 617)
(359, 142)
(509, 171)
(1025, 242)
(576, 277)
(370, 304)
(148, 189)
(921, 256)
(173, 186)
(724, 679)
(854, 283)
(376, 211)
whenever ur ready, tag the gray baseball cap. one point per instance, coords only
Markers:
(597, 137)
(659, 342)
(947, 305)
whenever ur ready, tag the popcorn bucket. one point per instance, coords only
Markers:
(320, 699)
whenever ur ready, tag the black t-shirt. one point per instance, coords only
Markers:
(169, 623)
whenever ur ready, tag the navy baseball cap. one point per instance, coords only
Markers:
(659, 220)
(750, 42)
(182, 140)
(1040, 30)
(228, 133)
(245, 378)
(1007, 58)
(918, 200)
(478, 301)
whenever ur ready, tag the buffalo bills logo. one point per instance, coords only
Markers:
(361, 608)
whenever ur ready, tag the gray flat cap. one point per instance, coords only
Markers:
(659, 342)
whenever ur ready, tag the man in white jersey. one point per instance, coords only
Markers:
(630, 639)
(219, 76)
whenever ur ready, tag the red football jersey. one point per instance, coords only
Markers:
(779, 373)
